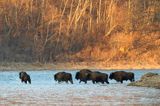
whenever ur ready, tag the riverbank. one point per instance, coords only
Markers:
(74, 65)
(148, 80)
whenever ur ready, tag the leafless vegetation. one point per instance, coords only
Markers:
(54, 30)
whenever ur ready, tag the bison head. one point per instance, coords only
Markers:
(77, 75)
(111, 76)
(22, 74)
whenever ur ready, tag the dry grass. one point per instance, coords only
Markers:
(126, 48)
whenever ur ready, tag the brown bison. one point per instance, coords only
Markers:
(119, 76)
(83, 75)
(63, 76)
(24, 77)
(98, 77)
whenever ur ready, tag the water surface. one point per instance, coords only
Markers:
(45, 91)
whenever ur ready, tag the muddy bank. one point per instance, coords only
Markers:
(148, 80)
(74, 65)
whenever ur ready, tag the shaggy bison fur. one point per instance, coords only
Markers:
(63, 76)
(83, 75)
(24, 77)
(98, 77)
(120, 76)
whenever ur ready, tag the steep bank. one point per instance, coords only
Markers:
(148, 80)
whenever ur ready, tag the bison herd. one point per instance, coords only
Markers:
(85, 75)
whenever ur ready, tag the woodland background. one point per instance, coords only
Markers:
(109, 31)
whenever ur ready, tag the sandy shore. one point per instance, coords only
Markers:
(72, 66)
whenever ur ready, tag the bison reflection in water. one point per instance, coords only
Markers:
(24, 77)
(63, 76)
(83, 75)
(98, 77)
(119, 76)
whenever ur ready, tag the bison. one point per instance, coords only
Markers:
(63, 76)
(120, 76)
(98, 77)
(24, 77)
(83, 75)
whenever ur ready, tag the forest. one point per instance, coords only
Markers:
(109, 31)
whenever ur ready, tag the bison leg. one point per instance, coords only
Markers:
(93, 81)
(71, 81)
(121, 81)
(29, 79)
(22, 80)
(107, 82)
(132, 80)
(25, 82)
(85, 81)
(67, 81)
(80, 81)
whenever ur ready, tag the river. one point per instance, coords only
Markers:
(44, 91)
